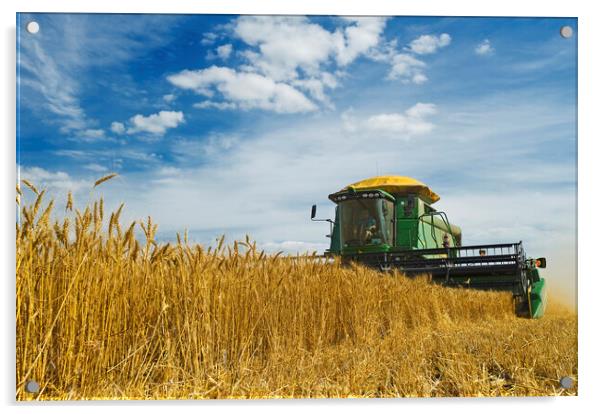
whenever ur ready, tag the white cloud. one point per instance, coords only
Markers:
(187, 152)
(286, 54)
(75, 154)
(427, 44)
(363, 35)
(57, 182)
(156, 124)
(405, 65)
(285, 44)
(291, 63)
(288, 45)
(117, 127)
(316, 86)
(208, 38)
(247, 90)
(110, 156)
(484, 48)
(170, 97)
(407, 69)
(219, 143)
(491, 220)
(96, 167)
(91, 134)
(169, 171)
(399, 125)
(54, 88)
(419, 78)
(421, 110)
(224, 51)
(217, 105)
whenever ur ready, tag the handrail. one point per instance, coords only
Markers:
(445, 220)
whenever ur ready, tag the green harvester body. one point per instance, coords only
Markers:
(389, 223)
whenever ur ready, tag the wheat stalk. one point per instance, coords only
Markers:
(103, 179)
(69, 205)
(30, 185)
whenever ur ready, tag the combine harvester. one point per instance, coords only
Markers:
(389, 223)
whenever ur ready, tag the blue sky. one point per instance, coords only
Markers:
(237, 124)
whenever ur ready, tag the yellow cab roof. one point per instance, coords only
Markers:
(395, 184)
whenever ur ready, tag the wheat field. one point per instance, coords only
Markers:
(103, 314)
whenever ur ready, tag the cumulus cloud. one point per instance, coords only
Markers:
(284, 44)
(209, 38)
(219, 143)
(405, 65)
(170, 97)
(407, 68)
(401, 125)
(360, 37)
(224, 51)
(246, 90)
(484, 48)
(91, 134)
(117, 127)
(316, 87)
(217, 105)
(289, 44)
(427, 44)
(421, 110)
(156, 124)
(288, 57)
(291, 47)
(291, 63)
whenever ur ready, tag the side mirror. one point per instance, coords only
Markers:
(313, 212)
(541, 262)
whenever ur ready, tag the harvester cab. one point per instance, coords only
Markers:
(388, 222)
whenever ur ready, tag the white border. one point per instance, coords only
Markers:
(590, 234)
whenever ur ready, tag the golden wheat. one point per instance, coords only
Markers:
(30, 185)
(103, 315)
(69, 205)
(103, 179)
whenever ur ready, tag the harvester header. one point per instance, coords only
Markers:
(388, 222)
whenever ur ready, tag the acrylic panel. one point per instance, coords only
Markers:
(225, 206)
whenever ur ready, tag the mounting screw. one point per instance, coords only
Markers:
(32, 387)
(566, 382)
(32, 27)
(566, 31)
